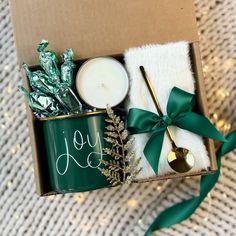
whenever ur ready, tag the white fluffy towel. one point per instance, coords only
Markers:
(167, 66)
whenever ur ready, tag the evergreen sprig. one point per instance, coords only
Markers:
(124, 167)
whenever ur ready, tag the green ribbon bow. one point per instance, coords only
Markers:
(181, 211)
(179, 113)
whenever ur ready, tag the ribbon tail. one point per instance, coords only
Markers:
(153, 148)
(200, 125)
(173, 215)
(209, 181)
(229, 146)
(181, 211)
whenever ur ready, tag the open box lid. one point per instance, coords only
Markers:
(96, 28)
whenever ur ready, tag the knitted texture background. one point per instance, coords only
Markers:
(117, 211)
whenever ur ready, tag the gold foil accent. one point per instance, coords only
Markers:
(73, 115)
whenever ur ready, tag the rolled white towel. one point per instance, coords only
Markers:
(167, 65)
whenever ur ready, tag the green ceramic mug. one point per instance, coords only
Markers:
(74, 147)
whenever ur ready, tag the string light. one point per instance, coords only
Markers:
(158, 188)
(72, 220)
(140, 221)
(204, 11)
(228, 64)
(222, 93)
(103, 221)
(51, 197)
(205, 69)
(132, 203)
(7, 67)
(87, 227)
(222, 125)
(13, 150)
(9, 184)
(215, 59)
(9, 90)
(17, 216)
(79, 197)
(215, 116)
(6, 114)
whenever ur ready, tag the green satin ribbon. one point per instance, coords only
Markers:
(179, 113)
(181, 211)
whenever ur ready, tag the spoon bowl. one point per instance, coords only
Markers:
(180, 159)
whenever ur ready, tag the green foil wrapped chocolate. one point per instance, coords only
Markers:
(38, 80)
(49, 62)
(41, 103)
(53, 94)
(69, 100)
(68, 68)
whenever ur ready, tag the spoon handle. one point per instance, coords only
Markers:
(156, 103)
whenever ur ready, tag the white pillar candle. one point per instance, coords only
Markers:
(102, 81)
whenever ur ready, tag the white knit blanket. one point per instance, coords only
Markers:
(117, 211)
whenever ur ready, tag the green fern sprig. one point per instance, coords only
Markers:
(124, 167)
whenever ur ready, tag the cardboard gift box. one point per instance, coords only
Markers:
(100, 28)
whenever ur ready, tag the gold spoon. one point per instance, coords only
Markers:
(180, 159)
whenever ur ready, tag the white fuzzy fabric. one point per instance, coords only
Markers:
(167, 66)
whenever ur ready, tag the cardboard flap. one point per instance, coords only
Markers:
(99, 27)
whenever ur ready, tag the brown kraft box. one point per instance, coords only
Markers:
(100, 28)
